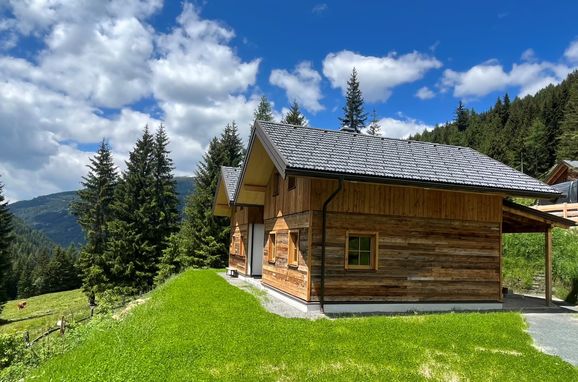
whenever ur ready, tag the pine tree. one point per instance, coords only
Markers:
(165, 197)
(462, 117)
(353, 115)
(568, 140)
(131, 253)
(294, 116)
(264, 111)
(204, 237)
(374, 127)
(536, 149)
(5, 242)
(94, 213)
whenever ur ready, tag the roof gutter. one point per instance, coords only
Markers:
(324, 242)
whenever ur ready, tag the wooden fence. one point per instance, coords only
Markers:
(565, 210)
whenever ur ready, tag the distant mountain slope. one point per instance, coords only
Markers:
(50, 214)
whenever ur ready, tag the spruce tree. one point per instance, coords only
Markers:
(354, 117)
(461, 119)
(94, 212)
(5, 242)
(131, 253)
(568, 140)
(204, 236)
(264, 111)
(536, 149)
(165, 196)
(374, 127)
(294, 116)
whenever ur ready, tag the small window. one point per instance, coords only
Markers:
(293, 256)
(276, 184)
(361, 251)
(291, 183)
(272, 248)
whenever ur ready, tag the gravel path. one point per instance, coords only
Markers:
(555, 333)
(272, 304)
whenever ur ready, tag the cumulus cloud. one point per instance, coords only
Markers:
(98, 64)
(402, 128)
(302, 84)
(377, 75)
(529, 76)
(571, 52)
(424, 93)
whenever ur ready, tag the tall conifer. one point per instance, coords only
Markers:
(354, 116)
(294, 116)
(568, 140)
(5, 241)
(264, 111)
(374, 127)
(93, 209)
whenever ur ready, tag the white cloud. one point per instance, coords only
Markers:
(529, 76)
(377, 75)
(303, 85)
(319, 8)
(402, 128)
(424, 93)
(571, 52)
(100, 62)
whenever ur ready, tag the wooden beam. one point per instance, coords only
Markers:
(253, 187)
(548, 261)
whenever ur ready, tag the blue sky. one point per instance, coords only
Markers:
(74, 71)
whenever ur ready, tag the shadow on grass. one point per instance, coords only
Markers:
(4, 322)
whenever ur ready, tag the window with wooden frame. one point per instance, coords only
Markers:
(291, 183)
(272, 247)
(276, 179)
(293, 253)
(361, 250)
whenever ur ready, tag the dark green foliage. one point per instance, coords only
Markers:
(264, 111)
(529, 134)
(568, 140)
(131, 255)
(93, 208)
(374, 127)
(353, 115)
(294, 116)
(6, 239)
(203, 239)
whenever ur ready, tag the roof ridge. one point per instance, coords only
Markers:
(366, 135)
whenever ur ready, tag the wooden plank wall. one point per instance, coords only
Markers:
(433, 245)
(289, 210)
(242, 217)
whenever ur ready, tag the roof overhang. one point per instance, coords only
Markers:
(262, 158)
(222, 206)
(521, 219)
(557, 171)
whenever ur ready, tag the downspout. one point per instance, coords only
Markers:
(323, 242)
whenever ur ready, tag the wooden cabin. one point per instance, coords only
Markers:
(564, 171)
(358, 223)
(564, 178)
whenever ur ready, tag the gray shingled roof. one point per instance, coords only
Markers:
(231, 177)
(356, 156)
(572, 163)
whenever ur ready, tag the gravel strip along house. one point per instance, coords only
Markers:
(347, 223)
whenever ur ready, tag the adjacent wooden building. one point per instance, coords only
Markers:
(361, 223)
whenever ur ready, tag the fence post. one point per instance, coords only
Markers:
(27, 338)
(62, 326)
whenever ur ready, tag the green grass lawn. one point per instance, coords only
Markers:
(197, 327)
(42, 312)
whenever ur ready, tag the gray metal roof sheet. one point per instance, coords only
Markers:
(397, 160)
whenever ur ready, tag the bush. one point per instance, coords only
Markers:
(12, 349)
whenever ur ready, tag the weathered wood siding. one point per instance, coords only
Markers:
(242, 217)
(285, 212)
(433, 245)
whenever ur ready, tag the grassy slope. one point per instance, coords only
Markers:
(197, 327)
(43, 311)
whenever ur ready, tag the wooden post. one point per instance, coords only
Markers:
(548, 261)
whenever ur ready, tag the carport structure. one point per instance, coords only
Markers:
(521, 219)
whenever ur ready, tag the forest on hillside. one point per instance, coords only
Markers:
(529, 134)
